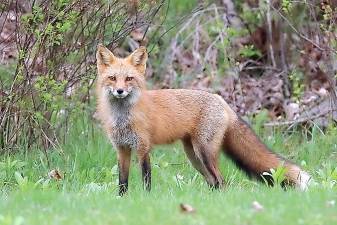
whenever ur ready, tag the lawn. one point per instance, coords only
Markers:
(87, 191)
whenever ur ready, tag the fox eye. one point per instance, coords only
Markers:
(129, 78)
(112, 78)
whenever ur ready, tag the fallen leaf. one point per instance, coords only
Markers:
(186, 208)
(257, 206)
(55, 174)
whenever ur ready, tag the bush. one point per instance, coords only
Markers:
(55, 43)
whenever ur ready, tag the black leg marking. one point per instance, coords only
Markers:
(123, 181)
(123, 185)
(146, 173)
(124, 156)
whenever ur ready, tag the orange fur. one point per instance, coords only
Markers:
(135, 119)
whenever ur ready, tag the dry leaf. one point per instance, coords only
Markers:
(186, 208)
(292, 110)
(55, 174)
(257, 206)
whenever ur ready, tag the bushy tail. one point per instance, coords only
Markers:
(254, 157)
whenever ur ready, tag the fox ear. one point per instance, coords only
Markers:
(104, 56)
(138, 58)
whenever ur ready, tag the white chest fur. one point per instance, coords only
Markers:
(122, 133)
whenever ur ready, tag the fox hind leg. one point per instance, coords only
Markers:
(203, 161)
(195, 161)
(208, 155)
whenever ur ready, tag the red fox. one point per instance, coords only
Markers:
(135, 119)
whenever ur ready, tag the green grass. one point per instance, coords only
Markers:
(87, 193)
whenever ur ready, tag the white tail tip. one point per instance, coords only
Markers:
(303, 180)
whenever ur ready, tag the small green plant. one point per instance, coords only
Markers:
(286, 6)
(259, 120)
(179, 179)
(22, 181)
(297, 86)
(8, 167)
(249, 51)
(255, 17)
(327, 176)
(277, 175)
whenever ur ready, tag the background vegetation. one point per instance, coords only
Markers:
(273, 61)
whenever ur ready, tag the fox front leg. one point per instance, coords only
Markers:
(124, 156)
(145, 165)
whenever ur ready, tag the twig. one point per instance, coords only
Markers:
(286, 86)
(300, 120)
(270, 35)
(301, 35)
(180, 21)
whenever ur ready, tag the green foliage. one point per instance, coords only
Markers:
(50, 90)
(53, 32)
(328, 16)
(51, 78)
(7, 75)
(278, 175)
(297, 84)
(328, 176)
(249, 51)
(88, 167)
(259, 120)
(286, 5)
(8, 167)
(33, 19)
(254, 18)
(87, 161)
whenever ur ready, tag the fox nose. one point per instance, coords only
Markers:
(120, 91)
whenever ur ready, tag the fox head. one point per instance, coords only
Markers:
(121, 78)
